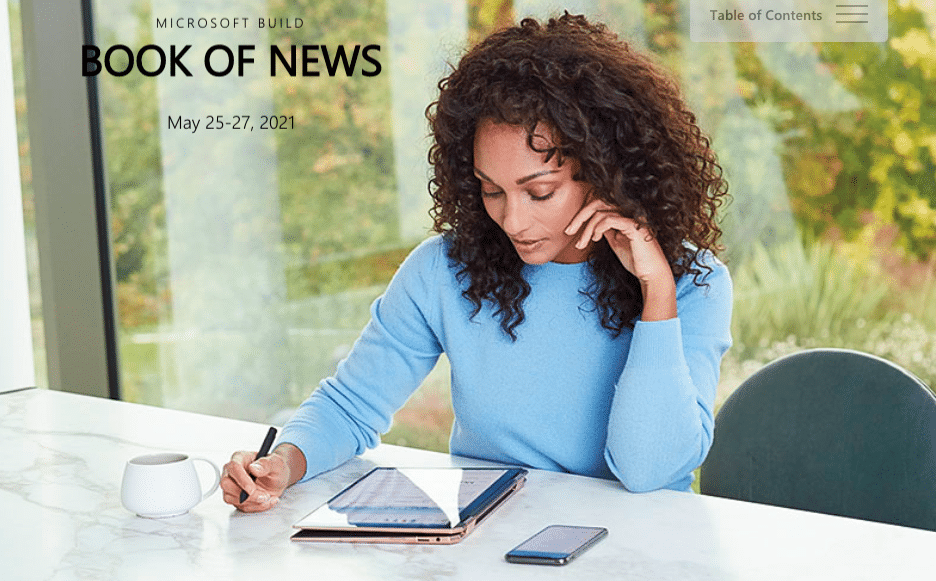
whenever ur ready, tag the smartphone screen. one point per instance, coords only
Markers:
(555, 545)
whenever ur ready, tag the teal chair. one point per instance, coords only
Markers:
(833, 431)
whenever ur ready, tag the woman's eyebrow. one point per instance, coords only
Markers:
(522, 180)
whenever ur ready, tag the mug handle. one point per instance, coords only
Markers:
(217, 480)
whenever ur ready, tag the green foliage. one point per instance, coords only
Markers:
(342, 273)
(788, 299)
(853, 170)
(336, 173)
(130, 113)
(788, 291)
(486, 16)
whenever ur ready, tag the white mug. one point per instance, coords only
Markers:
(163, 485)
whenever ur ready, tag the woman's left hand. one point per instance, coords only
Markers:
(634, 245)
(636, 248)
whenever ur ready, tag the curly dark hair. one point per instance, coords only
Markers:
(615, 112)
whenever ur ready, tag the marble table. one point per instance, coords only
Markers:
(63, 457)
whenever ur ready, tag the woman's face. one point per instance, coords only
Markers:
(532, 200)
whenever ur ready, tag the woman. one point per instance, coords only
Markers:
(573, 283)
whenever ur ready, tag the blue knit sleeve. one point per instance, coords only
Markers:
(661, 421)
(394, 353)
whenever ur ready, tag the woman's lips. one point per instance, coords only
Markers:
(528, 245)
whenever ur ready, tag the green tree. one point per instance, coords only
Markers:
(852, 173)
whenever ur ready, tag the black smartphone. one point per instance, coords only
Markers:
(556, 545)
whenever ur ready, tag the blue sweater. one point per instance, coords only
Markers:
(565, 396)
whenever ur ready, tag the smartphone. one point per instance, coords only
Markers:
(556, 545)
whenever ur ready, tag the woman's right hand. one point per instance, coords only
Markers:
(264, 480)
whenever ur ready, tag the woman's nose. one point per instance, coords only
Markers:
(516, 215)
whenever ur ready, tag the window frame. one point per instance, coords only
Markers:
(75, 265)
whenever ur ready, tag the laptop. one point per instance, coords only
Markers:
(411, 505)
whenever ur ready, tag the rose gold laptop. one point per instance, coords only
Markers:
(411, 505)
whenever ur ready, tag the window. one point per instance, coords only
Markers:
(256, 217)
(246, 260)
(18, 264)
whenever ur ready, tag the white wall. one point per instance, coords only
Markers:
(16, 353)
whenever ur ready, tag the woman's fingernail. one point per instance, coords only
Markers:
(263, 497)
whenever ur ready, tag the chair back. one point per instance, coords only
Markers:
(833, 431)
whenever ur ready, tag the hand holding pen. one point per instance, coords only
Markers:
(264, 450)
(253, 482)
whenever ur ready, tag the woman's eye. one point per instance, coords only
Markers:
(536, 198)
(488, 194)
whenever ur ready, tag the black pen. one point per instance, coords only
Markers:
(264, 450)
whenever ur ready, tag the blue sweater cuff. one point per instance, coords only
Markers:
(654, 342)
(318, 437)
